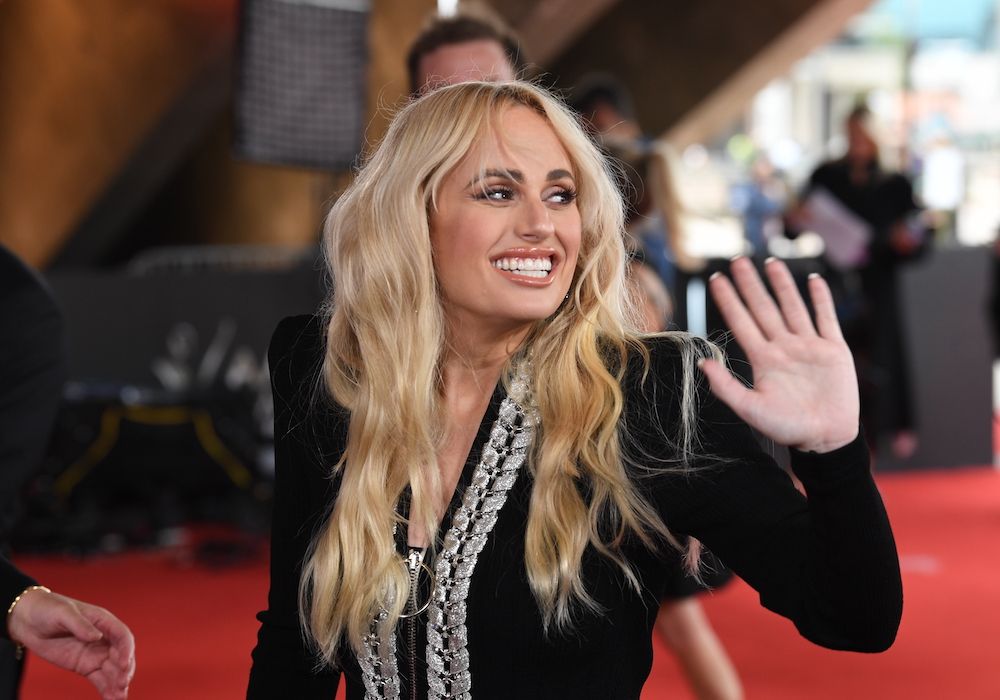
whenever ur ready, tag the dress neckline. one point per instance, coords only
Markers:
(471, 461)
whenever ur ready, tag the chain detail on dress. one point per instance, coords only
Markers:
(448, 674)
(378, 663)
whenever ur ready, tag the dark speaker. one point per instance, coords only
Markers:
(300, 93)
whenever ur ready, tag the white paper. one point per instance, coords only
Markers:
(845, 234)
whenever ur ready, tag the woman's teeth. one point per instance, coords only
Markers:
(528, 267)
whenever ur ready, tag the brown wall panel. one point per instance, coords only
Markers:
(673, 54)
(84, 83)
(394, 25)
(81, 85)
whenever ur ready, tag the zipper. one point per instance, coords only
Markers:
(413, 560)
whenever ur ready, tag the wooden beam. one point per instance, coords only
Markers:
(819, 25)
(556, 24)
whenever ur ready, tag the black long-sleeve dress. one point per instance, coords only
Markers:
(828, 563)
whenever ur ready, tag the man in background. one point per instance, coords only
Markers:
(880, 205)
(460, 48)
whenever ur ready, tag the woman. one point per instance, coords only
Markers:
(480, 507)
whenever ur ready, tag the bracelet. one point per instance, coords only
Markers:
(18, 647)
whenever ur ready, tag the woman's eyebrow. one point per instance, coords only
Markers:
(517, 176)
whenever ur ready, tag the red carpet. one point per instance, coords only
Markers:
(195, 627)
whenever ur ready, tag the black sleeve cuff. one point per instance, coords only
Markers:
(12, 584)
(828, 471)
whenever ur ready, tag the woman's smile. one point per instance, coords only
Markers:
(533, 267)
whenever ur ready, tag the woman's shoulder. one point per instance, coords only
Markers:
(295, 336)
(662, 372)
(668, 354)
(295, 358)
(304, 412)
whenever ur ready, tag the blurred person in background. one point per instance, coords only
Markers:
(872, 226)
(942, 184)
(68, 633)
(472, 45)
(655, 214)
(761, 202)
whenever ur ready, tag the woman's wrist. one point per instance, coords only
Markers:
(828, 445)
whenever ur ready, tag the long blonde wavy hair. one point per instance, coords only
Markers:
(384, 348)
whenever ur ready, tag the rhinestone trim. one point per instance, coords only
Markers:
(378, 664)
(448, 674)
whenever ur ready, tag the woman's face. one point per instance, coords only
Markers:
(861, 147)
(506, 231)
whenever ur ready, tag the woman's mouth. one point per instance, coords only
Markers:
(527, 267)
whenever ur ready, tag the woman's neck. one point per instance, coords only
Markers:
(477, 352)
(472, 371)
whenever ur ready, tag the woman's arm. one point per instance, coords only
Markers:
(283, 664)
(827, 561)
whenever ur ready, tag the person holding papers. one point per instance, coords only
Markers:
(871, 224)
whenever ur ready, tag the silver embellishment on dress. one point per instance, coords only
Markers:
(448, 674)
(378, 664)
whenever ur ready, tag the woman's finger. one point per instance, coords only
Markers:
(735, 314)
(758, 300)
(826, 313)
(793, 308)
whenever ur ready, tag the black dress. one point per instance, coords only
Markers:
(829, 564)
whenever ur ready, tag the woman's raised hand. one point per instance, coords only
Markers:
(805, 389)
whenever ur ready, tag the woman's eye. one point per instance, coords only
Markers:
(496, 194)
(563, 196)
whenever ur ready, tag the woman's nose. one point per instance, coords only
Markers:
(535, 222)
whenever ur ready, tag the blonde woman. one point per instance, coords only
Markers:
(480, 462)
